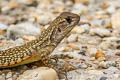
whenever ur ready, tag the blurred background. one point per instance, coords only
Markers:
(95, 47)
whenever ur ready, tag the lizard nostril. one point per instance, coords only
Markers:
(68, 19)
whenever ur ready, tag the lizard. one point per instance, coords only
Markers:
(43, 46)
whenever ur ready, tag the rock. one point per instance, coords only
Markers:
(92, 59)
(2, 77)
(111, 9)
(79, 8)
(9, 76)
(116, 33)
(42, 73)
(7, 19)
(28, 2)
(104, 64)
(108, 26)
(3, 26)
(100, 31)
(72, 38)
(73, 46)
(117, 53)
(83, 66)
(64, 49)
(85, 2)
(23, 29)
(5, 9)
(15, 76)
(78, 30)
(115, 20)
(100, 55)
(94, 72)
(110, 43)
(29, 38)
(103, 78)
(2, 32)
(96, 62)
(113, 39)
(13, 4)
(92, 51)
(105, 45)
(116, 75)
(96, 23)
(82, 52)
(69, 3)
(42, 18)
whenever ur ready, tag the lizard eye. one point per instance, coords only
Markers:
(68, 20)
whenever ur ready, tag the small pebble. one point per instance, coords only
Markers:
(78, 30)
(100, 31)
(23, 29)
(104, 64)
(117, 53)
(115, 20)
(94, 72)
(82, 53)
(29, 38)
(64, 49)
(83, 66)
(92, 59)
(99, 55)
(72, 38)
(103, 78)
(39, 74)
(3, 26)
(73, 46)
(2, 77)
(92, 51)
(9, 75)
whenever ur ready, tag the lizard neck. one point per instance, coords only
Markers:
(48, 36)
(44, 41)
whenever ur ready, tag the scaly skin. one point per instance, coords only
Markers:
(40, 48)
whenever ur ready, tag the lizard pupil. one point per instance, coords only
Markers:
(68, 20)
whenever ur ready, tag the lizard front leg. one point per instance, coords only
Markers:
(49, 61)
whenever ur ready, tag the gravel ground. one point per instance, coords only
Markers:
(95, 48)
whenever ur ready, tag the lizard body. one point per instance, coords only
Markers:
(40, 48)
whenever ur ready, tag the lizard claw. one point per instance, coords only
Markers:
(62, 73)
(62, 70)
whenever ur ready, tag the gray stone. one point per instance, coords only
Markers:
(42, 73)
(23, 29)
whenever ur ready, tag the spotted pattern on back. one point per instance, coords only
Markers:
(17, 54)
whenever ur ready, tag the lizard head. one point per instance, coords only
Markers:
(63, 24)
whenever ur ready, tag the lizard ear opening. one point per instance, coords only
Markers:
(59, 29)
(68, 19)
